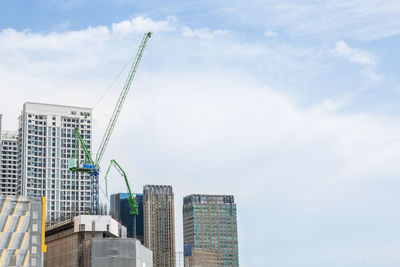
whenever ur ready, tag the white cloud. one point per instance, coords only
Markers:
(363, 58)
(210, 122)
(270, 34)
(142, 24)
(332, 19)
(203, 33)
(358, 56)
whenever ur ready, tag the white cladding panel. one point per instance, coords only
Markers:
(100, 223)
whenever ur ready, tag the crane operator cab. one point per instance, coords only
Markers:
(73, 165)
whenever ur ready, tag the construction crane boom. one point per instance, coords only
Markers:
(93, 167)
(133, 206)
(121, 100)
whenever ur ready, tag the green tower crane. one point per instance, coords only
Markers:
(93, 167)
(133, 206)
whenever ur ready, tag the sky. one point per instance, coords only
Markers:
(290, 106)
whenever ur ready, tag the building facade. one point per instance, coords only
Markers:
(8, 162)
(159, 223)
(119, 209)
(210, 223)
(21, 231)
(46, 140)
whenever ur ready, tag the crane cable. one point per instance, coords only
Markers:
(115, 79)
(132, 58)
(101, 98)
(104, 194)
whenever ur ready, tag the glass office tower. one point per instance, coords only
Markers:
(210, 225)
(120, 212)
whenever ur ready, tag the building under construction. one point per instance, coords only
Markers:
(93, 240)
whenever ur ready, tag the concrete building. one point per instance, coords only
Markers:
(21, 225)
(8, 162)
(106, 252)
(65, 239)
(119, 208)
(46, 140)
(210, 223)
(159, 224)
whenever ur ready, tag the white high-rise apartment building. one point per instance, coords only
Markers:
(8, 162)
(46, 140)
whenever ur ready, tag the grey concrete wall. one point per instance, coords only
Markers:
(116, 252)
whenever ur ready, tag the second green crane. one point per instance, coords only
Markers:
(133, 206)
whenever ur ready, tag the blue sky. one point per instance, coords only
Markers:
(291, 106)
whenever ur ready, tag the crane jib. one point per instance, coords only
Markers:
(90, 166)
(121, 100)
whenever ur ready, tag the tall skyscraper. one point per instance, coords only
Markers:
(120, 212)
(159, 223)
(46, 140)
(8, 162)
(210, 225)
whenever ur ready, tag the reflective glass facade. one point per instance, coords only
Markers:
(120, 212)
(210, 222)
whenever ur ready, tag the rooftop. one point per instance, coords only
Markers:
(204, 198)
